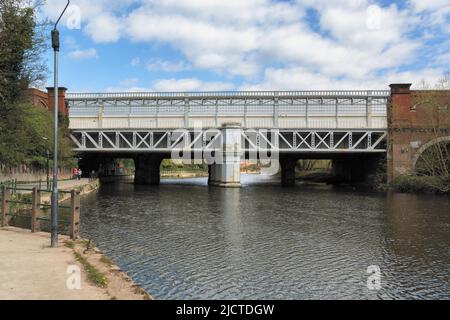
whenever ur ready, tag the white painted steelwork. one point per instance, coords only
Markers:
(283, 141)
(256, 109)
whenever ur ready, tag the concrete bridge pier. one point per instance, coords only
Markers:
(147, 169)
(226, 172)
(288, 171)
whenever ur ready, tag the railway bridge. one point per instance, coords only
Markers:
(353, 128)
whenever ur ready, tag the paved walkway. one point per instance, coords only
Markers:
(62, 184)
(30, 269)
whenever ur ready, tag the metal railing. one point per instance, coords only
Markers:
(37, 208)
(12, 184)
(230, 94)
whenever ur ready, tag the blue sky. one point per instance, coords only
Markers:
(172, 45)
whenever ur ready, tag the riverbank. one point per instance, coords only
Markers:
(183, 174)
(422, 184)
(30, 269)
(84, 186)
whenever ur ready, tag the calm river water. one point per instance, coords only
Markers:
(184, 240)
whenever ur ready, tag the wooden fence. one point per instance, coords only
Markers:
(37, 208)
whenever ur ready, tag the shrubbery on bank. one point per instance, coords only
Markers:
(26, 133)
(422, 184)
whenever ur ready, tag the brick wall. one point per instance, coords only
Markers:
(46, 100)
(414, 120)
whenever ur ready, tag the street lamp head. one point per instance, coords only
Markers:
(55, 40)
(55, 32)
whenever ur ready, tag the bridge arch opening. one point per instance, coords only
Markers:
(433, 158)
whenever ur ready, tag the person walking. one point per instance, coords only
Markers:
(75, 173)
(79, 174)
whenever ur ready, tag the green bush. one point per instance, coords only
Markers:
(421, 184)
(26, 133)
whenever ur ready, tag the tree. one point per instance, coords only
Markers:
(25, 131)
(434, 108)
(22, 45)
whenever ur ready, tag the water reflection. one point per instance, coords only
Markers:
(185, 240)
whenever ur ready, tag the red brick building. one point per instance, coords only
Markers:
(46, 100)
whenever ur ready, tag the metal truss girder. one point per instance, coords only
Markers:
(252, 140)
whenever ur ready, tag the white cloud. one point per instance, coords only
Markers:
(127, 89)
(190, 84)
(100, 19)
(271, 43)
(429, 5)
(167, 66)
(104, 28)
(83, 54)
(435, 13)
(135, 61)
(129, 82)
(179, 85)
(299, 78)
(70, 42)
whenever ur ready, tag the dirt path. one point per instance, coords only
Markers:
(30, 269)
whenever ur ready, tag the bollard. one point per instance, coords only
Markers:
(35, 210)
(75, 214)
(5, 198)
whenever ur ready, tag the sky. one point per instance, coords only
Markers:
(221, 45)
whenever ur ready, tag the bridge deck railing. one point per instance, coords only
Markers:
(229, 94)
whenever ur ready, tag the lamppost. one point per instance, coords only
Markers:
(54, 212)
(48, 165)
(48, 169)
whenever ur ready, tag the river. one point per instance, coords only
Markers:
(184, 240)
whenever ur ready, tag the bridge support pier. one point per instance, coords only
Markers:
(147, 170)
(213, 174)
(227, 172)
(288, 172)
(357, 169)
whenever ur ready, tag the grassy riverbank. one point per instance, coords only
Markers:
(183, 174)
(103, 273)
